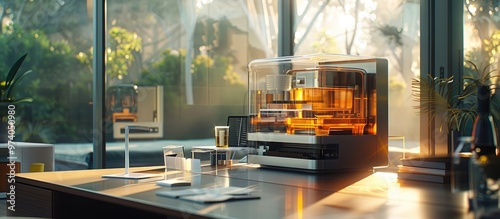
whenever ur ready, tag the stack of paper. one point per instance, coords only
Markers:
(428, 169)
(211, 195)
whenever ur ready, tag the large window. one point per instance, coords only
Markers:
(482, 35)
(181, 66)
(482, 46)
(196, 52)
(53, 34)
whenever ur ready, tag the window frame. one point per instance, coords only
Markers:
(441, 56)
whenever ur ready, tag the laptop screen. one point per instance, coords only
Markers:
(237, 131)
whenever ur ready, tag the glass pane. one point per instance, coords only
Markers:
(53, 34)
(481, 47)
(179, 67)
(371, 28)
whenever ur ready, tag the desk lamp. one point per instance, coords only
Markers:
(128, 175)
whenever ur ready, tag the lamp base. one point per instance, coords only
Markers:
(131, 175)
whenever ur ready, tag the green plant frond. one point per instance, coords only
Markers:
(469, 84)
(441, 124)
(453, 121)
(37, 132)
(486, 76)
(415, 87)
(426, 91)
(468, 118)
(474, 66)
(441, 104)
(438, 98)
(13, 71)
(469, 77)
(485, 69)
(24, 100)
(15, 81)
(481, 77)
(459, 118)
(420, 83)
(454, 100)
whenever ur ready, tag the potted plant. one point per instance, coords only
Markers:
(457, 111)
(6, 99)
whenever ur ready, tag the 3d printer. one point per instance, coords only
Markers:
(319, 112)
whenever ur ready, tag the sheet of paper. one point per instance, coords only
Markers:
(213, 191)
(173, 182)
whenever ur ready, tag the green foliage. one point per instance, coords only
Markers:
(123, 46)
(230, 76)
(165, 72)
(458, 111)
(60, 85)
(35, 132)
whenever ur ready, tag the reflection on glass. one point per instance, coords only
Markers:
(53, 33)
(197, 52)
(371, 28)
(123, 103)
(129, 104)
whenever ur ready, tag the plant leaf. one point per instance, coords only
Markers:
(13, 70)
(24, 100)
(15, 81)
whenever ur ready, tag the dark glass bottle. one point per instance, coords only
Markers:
(483, 131)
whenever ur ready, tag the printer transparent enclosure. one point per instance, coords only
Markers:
(319, 112)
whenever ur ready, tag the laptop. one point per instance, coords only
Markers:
(238, 126)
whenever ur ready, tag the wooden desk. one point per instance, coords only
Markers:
(284, 194)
